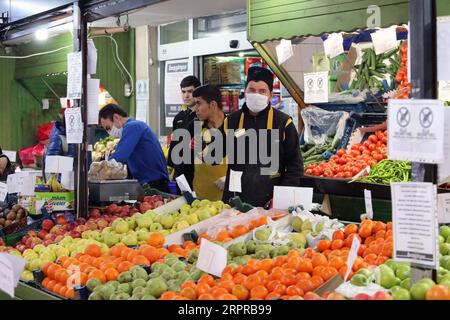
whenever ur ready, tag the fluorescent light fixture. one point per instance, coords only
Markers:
(41, 34)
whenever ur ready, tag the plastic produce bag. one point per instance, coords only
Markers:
(26, 156)
(321, 125)
(107, 170)
(44, 131)
(350, 291)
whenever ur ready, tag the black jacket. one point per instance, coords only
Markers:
(257, 189)
(8, 170)
(183, 120)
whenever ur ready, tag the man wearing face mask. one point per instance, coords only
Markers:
(258, 114)
(138, 147)
(184, 120)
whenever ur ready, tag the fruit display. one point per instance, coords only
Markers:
(347, 164)
(107, 170)
(104, 146)
(13, 219)
(54, 184)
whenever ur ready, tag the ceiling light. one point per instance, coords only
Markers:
(41, 34)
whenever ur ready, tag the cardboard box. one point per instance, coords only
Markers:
(55, 201)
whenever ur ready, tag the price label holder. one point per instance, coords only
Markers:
(3, 191)
(11, 268)
(334, 45)
(444, 208)
(352, 255)
(368, 203)
(385, 40)
(416, 130)
(286, 197)
(212, 258)
(58, 164)
(183, 184)
(235, 181)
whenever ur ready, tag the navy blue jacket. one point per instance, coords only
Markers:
(140, 149)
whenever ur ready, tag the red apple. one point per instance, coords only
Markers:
(55, 229)
(61, 220)
(91, 225)
(144, 207)
(159, 204)
(74, 234)
(95, 213)
(361, 296)
(58, 238)
(42, 234)
(102, 223)
(47, 242)
(381, 295)
(47, 224)
(81, 228)
(21, 248)
(81, 221)
(31, 233)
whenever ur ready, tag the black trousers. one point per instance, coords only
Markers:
(161, 185)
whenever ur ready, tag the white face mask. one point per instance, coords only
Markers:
(115, 132)
(256, 102)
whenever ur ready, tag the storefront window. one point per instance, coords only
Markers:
(220, 24)
(174, 32)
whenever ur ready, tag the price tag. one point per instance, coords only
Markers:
(416, 130)
(334, 45)
(444, 208)
(235, 181)
(183, 184)
(74, 125)
(212, 258)
(415, 226)
(368, 202)
(352, 255)
(10, 154)
(285, 197)
(284, 51)
(11, 268)
(316, 87)
(384, 40)
(58, 164)
(3, 191)
(45, 104)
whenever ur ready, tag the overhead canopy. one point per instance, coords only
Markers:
(286, 19)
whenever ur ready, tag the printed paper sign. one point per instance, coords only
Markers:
(443, 54)
(416, 130)
(10, 154)
(415, 224)
(316, 87)
(58, 164)
(74, 125)
(74, 75)
(141, 110)
(444, 168)
(93, 90)
(444, 208)
(235, 181)
(284, 51)
(384, 40)
(352, 255)
(334, 45)
(142, 89)
(11, 268)
(3, 191)
(368, 202)
(285, 197)
(92, 57)
(183, 184)
(45, 104)
(212, 258)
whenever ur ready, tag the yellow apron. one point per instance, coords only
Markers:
(204, 177)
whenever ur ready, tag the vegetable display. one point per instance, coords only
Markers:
(103, 147)
(347, 164)
(387, 171)
(315, 153)
(404, 87)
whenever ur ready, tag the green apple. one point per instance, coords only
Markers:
(212, 210)
(62, 252)
(111, 239)
(359, 280)
(130, 240)
(387, 277)
(138, 283)
(403, 271)
(391, 264)
(142, 235)
(27, 276)
(156, 287)
(122, 227)
(15, 253)
(185, 208)
(418, 290)
(401, 294)
(192, 219)
(365, 272)
(203, 214)
(195, 203)
(144, 221)
(180, 225)
(155, 226)
(30, 254)
(165, 232)
(107, 230)
(38, 248)
(131, 223)
(444, 248)
(167, 221)
(444, 231)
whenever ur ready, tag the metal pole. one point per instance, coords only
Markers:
(423, 49)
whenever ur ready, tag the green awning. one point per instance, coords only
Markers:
(286, 19)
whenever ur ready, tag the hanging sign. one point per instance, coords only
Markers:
(284, 51)
(415, 225)
(175, 71)
(316, 87)
(74, 75)
(74, 125)
(416, 130)
(444, 208)
(285, 197)
(384, 40)
(334, 45)
(444, 167)
(3, 191)
(93, 91)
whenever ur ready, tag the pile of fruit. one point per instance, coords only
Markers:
(16, 215)
(104, 146)
(347, 164)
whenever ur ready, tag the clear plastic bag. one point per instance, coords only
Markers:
(321, 125)
(107, 170)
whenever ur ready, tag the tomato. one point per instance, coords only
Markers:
(347, 174)
(317, 171)
(362, 149)
(373, 138)
(384, 140)
(339, 175)
(342, 161)
(378, 157)
(309, 172)
(355, 153)
(372, 146)
(340, 152)
(334, 157)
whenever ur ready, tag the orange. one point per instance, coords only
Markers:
(221, 236)
(328, 273)
(116, 251)
(139, 259)
(228, 269)
(319, 260)
(259, 291)
(349, 229)
(97, 262)
(323, 245)
(62, 291)
(378, 226)
(93, 250)
(78, 255)
(124, 266)
(57, 288)
(306, 266)
(51, 270)
(218, 291)
(45, 282)
(162, 252)
(288, 279)
(308, 253)
(369, 240)
(171, 248)
(168, 295)
(61, 276)
(337, 244)
(45, 267)
(267, 265)
(131, 255)
(252, 281)
(151, 253)
(239, 230)
(365, 231)
(111, 274)
(348, 242)
(203, 288)
(318, 270)
(280, 260)
(438, 292)
(124, 253)
(280, 289)
(240, 292)
(371, 258)
(156, 239)
(188, 284)
(248, 270)
(338, 235)
(227, 296)
(272, 284)
(51, 284)
(294, 291)
(303, 276)
(70, 293)
(206, 296)
(208, 279)
(189, 245)
(84, 266)
(189, 293)
(239, 278)
(276, 273)
(336, 262)
(107, 265)
(380, 234)
(97, 274)
(316, 281)
(227, 284)
(305, 285)
(61, 259)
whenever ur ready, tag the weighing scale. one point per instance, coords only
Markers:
(107, 191)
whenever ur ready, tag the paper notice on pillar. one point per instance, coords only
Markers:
(284, 51)
(74, 75)
(212, 258)
(10, 154)
(443, 53)
(334, 45)
(3, 191)
(74, 125)
(235, 181)
(93, 90)
(444, 91)
(176, 70)
(11, 268)
(444, 167)
(416, 130)
(58, 164)
(384, 40)
(444, 208)
(183, 184)
(45, 104)
(316, 87)
(91, 57)
(142, 89)
(141, 110)
(285, 197)
(415, 224)
(68, 180)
